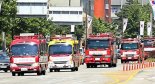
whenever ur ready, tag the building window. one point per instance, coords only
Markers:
(50, 12)
(80, 12)
(106, 1)
(73, 12)
(56, 12)
(65, 12)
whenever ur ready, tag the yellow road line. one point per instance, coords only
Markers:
(130, 77)
(116, 76)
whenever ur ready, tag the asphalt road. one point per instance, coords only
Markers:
(83, 76)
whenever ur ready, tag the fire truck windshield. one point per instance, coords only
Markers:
(24, 50)
(60, 49)
(148, 43)
(97, 44)
(129, 46)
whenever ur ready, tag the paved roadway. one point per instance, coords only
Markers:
(145, 76)
(83, 76)
(100, 75)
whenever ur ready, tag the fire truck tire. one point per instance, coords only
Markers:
(114, 65)
(95, 66)
(43, 72)
(5, 70)
(38, 73)
(122, 61)
(88, 65)
(76, 68)
(110, 65)
(13, 74)
(51, 70)
(19, 74)
(56, 70)
(73, 69)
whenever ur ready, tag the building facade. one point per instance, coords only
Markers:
(66, 12)
(32, 8)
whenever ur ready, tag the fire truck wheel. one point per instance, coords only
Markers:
(114, 65)
(122, 61)
(95, 66)
(13, 74)
(5, 70)
(76, 68)
(88, 65)
(73, 69)
(110, 65)
(51, 70)
(38, 73)
(19, 74)
(43, 72)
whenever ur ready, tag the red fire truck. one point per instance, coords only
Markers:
(28, 54)
(131, 50)
(149, 46)
(100, 50)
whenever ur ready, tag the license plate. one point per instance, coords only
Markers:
(3, 66)
(97, 58)
(24, 69)
(129, 57)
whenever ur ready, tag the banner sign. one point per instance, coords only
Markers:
(152, 3)
(142, 28)
(125, 21)
(149, 28)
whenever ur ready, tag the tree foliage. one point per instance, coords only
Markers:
(13, 25)
(100, 26)
(135, 13)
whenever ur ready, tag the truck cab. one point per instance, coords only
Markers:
(28, 54)
(100, 50)
(131, 50)
(63, 53)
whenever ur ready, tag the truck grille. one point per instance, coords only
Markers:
(22, 65)
(60, 62)
(130, 55)
(97, 55)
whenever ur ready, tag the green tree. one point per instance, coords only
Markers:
(7, 17)
(135, 13)
(100, 26)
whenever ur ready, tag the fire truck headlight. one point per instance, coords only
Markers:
(35, 64)
(13, 65)
(107, 56)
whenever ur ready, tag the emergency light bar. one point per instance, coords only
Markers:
(27, 34)
(65, 36)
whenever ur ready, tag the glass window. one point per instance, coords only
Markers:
(73, 12)
(56, 12)
(24, 50)
(50, 12)
(129, 46)
(80, 12)
(65, 12)
(98, 44)
(60, 49)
